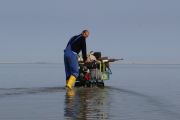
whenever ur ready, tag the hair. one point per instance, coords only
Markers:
(84, 31)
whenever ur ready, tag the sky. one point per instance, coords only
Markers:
(140, 31)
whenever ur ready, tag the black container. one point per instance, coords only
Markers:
(97, 55)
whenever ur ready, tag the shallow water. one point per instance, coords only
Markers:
(135, 92)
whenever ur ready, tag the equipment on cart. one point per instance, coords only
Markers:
(95, 71)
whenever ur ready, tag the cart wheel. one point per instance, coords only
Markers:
(88, 84)
(100, 84)
(78, 84)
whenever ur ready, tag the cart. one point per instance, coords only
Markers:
(95, 72)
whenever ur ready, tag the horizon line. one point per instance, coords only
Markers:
(133, 63)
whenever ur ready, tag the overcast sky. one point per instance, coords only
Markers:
(140, 31)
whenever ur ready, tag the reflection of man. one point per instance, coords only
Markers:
(73, 48)
(70, 107)
(86, 104)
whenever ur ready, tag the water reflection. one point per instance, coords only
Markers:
(86, 103)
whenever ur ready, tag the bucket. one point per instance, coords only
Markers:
(105, 75)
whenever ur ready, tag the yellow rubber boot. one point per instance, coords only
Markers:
(71, 81)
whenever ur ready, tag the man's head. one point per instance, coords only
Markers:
(85, 33)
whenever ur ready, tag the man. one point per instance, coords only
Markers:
(73, 48)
